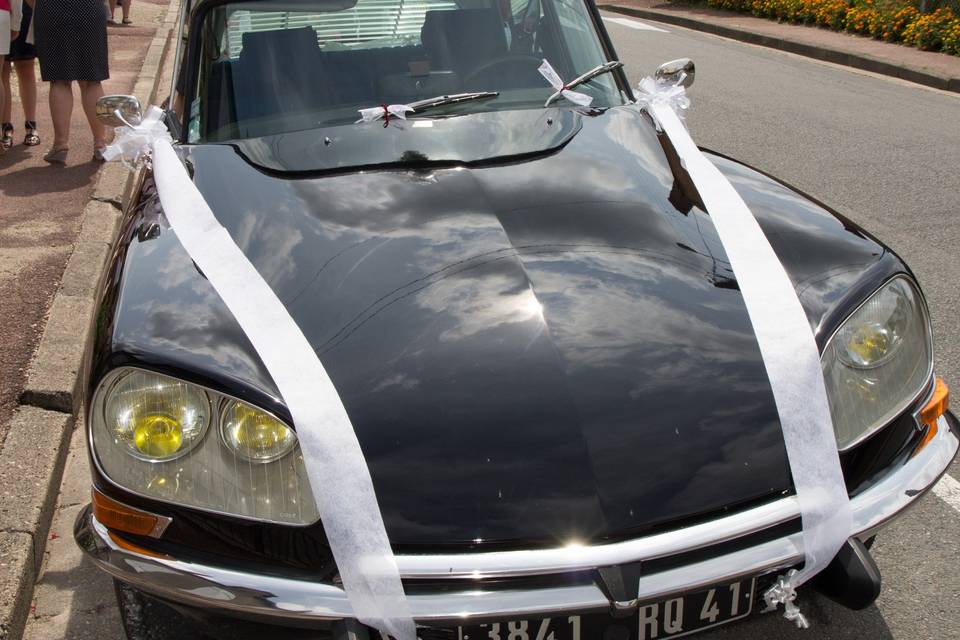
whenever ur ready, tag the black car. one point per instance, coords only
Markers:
(528, 316)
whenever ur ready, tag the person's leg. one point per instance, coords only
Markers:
(126, 11)
(7, 106)
(27, 81)
(3, 100)
(61, 106)
(90, 92)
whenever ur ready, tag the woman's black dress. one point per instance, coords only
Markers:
(20, 49)
(71, 38)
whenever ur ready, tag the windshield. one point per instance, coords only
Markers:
(271, 67)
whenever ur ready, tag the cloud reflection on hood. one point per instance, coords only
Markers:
(527, 349)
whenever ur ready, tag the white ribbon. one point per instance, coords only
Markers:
(787, 345)
(673, 96)
(132, 144)
(548, 72)
(335, 465)
(383, 112)
(784, 592)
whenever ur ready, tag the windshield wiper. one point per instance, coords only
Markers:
(600, 69)
(439, 101)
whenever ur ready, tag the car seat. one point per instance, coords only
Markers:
(278, 72)
(462, 40)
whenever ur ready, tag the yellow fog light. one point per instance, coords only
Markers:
(154, 417)
(253, 434)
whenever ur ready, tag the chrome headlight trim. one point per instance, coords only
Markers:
(94, 413)
(909, 399)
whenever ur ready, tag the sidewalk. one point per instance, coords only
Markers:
(52, 216)
(929, 68)
(40, 206)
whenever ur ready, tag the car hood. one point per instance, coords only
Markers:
(545, 351)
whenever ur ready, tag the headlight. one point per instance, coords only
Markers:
(155, 417)
(878, 362)
(170, 440)
(253, 434)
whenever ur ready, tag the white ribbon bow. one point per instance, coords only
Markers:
(783, 592)
(651, 92)
(133, 144)
(548, 72)
(383, 112)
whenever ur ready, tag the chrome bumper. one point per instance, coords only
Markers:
(227, 590)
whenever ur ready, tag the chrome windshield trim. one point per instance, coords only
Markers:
(279, 597)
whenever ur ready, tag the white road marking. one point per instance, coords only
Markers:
(634, 24)
(948, 490)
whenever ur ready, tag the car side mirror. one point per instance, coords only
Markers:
(116, 111)
(676, 72)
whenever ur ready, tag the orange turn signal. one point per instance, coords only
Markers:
(933, 409)
(116, 515)
(129, 546)
(937, 405)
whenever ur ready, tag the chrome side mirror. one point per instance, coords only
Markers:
(116, 111)
(676, 72)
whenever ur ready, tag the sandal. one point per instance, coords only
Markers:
(6, 141)
(31, 139)
(127, 21)
(98, 153)
(56, 156)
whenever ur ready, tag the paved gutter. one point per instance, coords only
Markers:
(931, 69)
(33, 454)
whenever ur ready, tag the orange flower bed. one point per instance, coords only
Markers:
(937, 31)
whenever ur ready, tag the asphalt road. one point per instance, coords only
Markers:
(883, 152)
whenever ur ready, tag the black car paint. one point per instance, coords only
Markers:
(492, 136)
(532, 351)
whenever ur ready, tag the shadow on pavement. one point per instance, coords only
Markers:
(73, 599)
(32, 181)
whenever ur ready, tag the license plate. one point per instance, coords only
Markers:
(669, 618)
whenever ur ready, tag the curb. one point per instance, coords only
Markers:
(53, 376)
(34, 452)
(836, 56)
